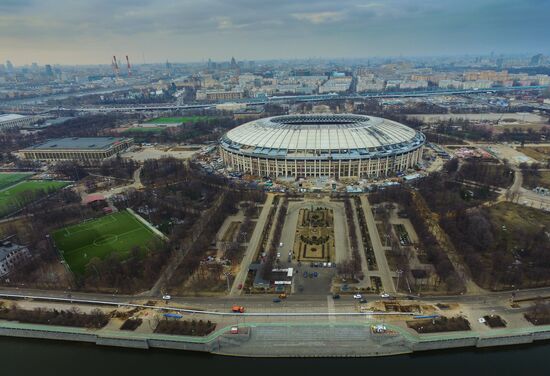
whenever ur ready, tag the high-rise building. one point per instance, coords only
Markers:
(537, 60)
(49, 70)
(9, 66)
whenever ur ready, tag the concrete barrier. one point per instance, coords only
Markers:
(43, 334)
(123, 342)
(425, 345)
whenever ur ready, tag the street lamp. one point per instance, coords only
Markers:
(399, 273)
(227, 275)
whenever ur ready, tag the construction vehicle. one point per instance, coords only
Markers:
(237, 309)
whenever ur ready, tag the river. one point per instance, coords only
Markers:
(21, 357)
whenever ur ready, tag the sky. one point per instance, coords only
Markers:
(92, 31)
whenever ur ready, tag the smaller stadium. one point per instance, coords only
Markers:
(115, 233)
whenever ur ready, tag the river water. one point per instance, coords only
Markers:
(44, 358)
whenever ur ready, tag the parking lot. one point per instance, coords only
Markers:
(313, 280)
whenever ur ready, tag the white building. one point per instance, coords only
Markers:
(450, 84)
(335, 85)
(15, 121)
(11, 255)
(216, 95)
(413, 85)
(478, 84)
(368, 84)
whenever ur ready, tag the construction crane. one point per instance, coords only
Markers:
(115, 66)
(129, 67)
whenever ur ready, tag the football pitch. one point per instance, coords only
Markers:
(11, 198)
(181, 119)
(114, 233)
(10, 178)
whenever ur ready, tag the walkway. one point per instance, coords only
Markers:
(381, 261)
(253, 246)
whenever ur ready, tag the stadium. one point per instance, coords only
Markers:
(316, 145)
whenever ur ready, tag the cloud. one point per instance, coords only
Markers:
(267, 28)
(319, 17)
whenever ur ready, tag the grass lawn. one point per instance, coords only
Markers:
(540, 153)
(10, 178)
(518, 218)
(177, 120)
(545, 179)
(117, 232)
(12, 198)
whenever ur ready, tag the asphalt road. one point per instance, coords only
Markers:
(304, 302)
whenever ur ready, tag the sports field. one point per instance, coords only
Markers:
(117, 232)
(13, 197)
(146, 130)
(10, 178)
(182, 119)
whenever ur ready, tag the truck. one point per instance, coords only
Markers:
(237, 309)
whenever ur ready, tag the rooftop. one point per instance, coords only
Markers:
(318, 134)
(7, 246)
(79, 143)
(10, 117)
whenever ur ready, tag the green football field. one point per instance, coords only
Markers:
(10, 178)
(181, 119)
(117, 232)
(11, 198)
(143, 130)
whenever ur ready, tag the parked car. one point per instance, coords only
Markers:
(385, 295)
(336, 296)
(305, 274)
(166, 297)
(357, 296)
(276, 300)
(363, 301)
(315, 274)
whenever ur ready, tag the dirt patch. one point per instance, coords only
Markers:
(440, 324)
(186, 328)
(495, 321)
(131, 324)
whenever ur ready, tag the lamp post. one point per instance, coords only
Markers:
(399, 273)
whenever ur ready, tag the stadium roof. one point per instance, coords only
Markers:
(78, 143)
(319, 133)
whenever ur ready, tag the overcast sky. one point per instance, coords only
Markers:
(91, 31)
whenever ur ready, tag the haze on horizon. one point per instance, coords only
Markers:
(91, 31)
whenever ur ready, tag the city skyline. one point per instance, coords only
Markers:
(61, 32)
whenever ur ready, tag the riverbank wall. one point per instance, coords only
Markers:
(274, 340)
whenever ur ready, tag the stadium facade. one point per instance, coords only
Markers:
(83, 149)
(315, 145)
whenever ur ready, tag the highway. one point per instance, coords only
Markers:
(289, 98)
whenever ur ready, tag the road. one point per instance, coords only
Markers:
(278, 99)
(303, 303)
(136, 184)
